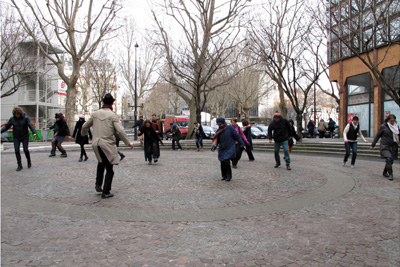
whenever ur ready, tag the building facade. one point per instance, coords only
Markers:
(364, 31)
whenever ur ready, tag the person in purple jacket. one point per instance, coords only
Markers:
(239, 148)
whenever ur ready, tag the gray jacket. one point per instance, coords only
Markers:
(389, 148)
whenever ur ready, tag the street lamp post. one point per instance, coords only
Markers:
(136, 46)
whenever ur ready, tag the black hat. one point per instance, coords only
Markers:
(58, 115)
(220, 120)
(108, 99)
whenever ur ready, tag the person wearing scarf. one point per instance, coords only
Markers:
(350, 134)
(151, 140)
(226, 137)
(104, 121)
(199, 133)
(239, 148)
(389, 134)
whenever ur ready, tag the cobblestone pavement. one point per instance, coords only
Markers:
(178, 212)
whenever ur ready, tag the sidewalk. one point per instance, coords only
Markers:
(179, 213)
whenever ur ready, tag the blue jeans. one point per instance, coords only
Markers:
(277, 147)
(199, 142)
(353, 146)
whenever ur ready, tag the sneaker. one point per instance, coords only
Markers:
(344, 163)
(19, 168)
(288, 168)
(277, 165)
(234, 166)
(390, 177)
(352, 166)
(155, 160)
(386, 174)
(52, 155)
(98, 189)
(150, 162)
(107, 195)
(223, 178)
(122, 157)
(63, 155)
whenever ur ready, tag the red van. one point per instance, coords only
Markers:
(181, 121)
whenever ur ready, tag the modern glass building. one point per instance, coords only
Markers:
(370, 29)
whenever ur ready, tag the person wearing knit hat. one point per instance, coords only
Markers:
(225, 139)
(281, 130)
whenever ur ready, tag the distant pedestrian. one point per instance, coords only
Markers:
(292, 134)
(79, 139)
(390, 134)
(151, 140)
(331, 126)
(310, 127)
(350, 134)
(104, 121)
(225, 139)
(199, 134)
(279, 130)
(20, 123)
(247, 133)
(238, 146)
(321, 128)
(138, 125)
(157, 126)
(175, 134)
(59, 136)
(117, 140)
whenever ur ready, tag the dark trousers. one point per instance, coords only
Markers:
(226, 169)
(388, 166)
(239, 151)
(321, 134)
(199, 142)
(353, 146)
(177, 142)
(250, 154)
(83, 152)
(105, 164)
(17, 144)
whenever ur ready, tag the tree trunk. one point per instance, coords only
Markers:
(299, 119)
(70, 106)
(282, 103)
(192, 118)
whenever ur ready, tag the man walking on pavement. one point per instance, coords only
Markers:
(281, 129)
(104, 121)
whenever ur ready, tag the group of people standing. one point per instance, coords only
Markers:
(230, 140)
(322, 128)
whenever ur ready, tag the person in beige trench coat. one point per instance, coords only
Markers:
(104, 121)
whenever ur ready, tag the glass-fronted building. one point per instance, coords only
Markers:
(370, 28)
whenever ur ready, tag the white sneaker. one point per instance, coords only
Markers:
(344, 163)
(352, 166)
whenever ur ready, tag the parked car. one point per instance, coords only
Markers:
(208, 131)
(262, 128)
(257, 133)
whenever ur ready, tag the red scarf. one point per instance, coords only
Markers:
(107, 106)
(215, 139)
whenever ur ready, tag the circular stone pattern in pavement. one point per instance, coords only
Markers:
(183, 186)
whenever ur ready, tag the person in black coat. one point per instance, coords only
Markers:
(198, 130)
(79, 139)
(389, 133)
(139, 125)
(59, 136)
(176, 135)
(292, 134)
(247, 133)
(281, 129)
(151, 140)
(310, 127)
(20, 123)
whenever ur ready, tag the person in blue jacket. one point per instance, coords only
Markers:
(20, 123)
(226, 137)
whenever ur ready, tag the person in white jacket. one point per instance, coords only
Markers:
(350, 135)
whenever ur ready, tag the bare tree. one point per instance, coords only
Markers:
(374, 26)
(17, 63)
(249, 85)
(146, 62)
(291, 56)
(210, 32)
(73, 25)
